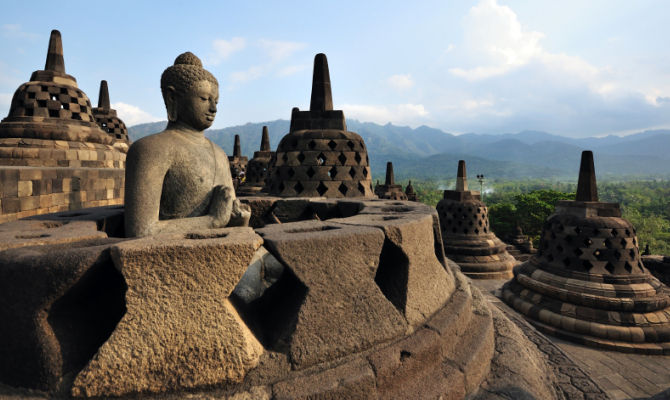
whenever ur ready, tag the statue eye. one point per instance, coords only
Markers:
(203, 98)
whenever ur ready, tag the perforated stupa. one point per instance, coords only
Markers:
(587, 283)
(467, 236)
(319, 157)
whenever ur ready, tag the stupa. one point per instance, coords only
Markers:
(319, 157)
(409, 192)
(389, 190)
(587, 283)
(466, 235)
(51, 127)
(238, 162)
(106, 118)
(258, 166)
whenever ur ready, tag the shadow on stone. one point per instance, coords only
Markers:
(273, 316)
(84, 318)
(392, 275)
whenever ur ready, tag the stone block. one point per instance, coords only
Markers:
(59, 304)
(29, 203)
(180, 331)
(25, 188)
(344, 310)
(353, 380)
(32, 232)
(409, 274)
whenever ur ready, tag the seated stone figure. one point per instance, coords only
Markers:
(178, 180)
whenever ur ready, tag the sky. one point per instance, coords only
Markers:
(572, 67)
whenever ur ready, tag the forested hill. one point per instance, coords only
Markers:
(430, 153)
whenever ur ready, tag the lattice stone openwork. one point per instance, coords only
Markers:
(319, 157)
(588, 283)
(466, 234)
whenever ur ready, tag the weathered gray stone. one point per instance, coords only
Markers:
(344, 311)
(178, 180)
(180, 330)
(59, 303)
(409, 274)
(33, 233)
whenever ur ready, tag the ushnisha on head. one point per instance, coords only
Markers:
(190, 92)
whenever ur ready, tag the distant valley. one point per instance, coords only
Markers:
(431, 154)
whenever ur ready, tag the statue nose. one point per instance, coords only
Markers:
(212, 106)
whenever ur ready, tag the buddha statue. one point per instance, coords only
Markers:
(178, 180)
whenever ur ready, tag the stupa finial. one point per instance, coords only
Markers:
(103, 96)
(237, 150)
(55, 61)
(265, 140)
(461, 177)
(322, 97)
(390, 179)
(587, 190)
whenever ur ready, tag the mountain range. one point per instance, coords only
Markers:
(431, 154)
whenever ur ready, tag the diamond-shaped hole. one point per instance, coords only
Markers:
(628, 267)
(566, 261)
(587, 265)
(608, 243)
(615, 232)
(301, 157)
(332, 172)
(588, 242)
(332, 145)
(321, 159)
(285, 157)
(310, 172)
(311, 144)
(361, 188)
(609, 267)
(343, 188)
(358, 158)
(321, 188)
(350, 144)
(632, 254)
(617, 255)
(298, 187)
(365, 172)
(352, 172)
(290, 172)
(578, 252)
(342, 158)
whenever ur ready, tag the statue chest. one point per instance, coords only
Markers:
(188, 183)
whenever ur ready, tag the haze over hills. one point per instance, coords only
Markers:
(429, 153)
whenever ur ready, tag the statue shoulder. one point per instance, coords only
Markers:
(156, 146)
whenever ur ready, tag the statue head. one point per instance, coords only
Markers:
(190, 92)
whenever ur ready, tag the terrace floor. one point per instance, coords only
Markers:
(620, 375)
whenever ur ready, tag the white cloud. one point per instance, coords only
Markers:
(133, 115)
(401, 82)
(253, 72)
(291, 70)
(277, 50)
(15, 31)
(225, 48)
(411, 114)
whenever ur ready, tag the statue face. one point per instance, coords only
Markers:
(197, 108)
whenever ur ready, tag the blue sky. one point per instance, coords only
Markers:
(572, 68)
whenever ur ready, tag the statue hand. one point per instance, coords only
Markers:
(240, 215)
(221, 207)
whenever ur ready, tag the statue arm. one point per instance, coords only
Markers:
(146, 167)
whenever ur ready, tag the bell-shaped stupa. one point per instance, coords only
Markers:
(319, 157)
(389, 190)
(587, 283)
(51, 128)
(258, 166)
(466, 234)
(108, 121)
(410, 193)
(238, 162)
(51, 106)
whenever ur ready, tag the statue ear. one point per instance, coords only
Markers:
(170, 95)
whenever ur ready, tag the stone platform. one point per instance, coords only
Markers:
(618, 375)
